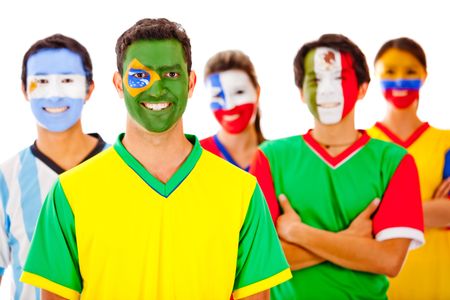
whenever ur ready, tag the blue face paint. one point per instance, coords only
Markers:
(402, 84)
(218, 101)
(138, 78)
(56, 88)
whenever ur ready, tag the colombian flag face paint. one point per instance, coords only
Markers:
(401, 77)
(233, 99)
(330, 86)
(139, 78)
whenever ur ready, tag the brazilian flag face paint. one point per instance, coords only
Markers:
(401, 76)
(330, 86)
(155, 83)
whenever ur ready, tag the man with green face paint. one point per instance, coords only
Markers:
(156, 216)
(339, 238)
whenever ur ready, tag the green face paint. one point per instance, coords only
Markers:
(156, 83)
(310, 84)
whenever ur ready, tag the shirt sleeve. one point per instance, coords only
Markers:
(260, 168)
(52, 262)
(400, 213)
(261, 263)
(5, 251)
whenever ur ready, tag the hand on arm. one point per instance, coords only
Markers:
(347, 248)
(436, 212)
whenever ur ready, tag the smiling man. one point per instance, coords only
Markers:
(339, 239)
(57, 81)
(154, 217)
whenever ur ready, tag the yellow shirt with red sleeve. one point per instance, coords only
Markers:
(426, 271)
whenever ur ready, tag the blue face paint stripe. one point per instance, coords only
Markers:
(447, 165)
(30, 198)
(55, 61)
(215, 82)
(403, 84)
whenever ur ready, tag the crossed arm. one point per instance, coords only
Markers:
(353, 248)
(437, 211)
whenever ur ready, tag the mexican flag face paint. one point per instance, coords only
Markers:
(156, 83)
(330, 86)
(401, 76)
(233, 99)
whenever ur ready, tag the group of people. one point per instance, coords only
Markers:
(160, 214)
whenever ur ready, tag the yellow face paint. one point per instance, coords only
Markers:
(32, 87)
(396, 64)
(139, 78)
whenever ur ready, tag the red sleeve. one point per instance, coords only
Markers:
(400, 214)
(209, 145)
(261, 169)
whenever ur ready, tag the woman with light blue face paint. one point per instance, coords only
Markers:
(57, 81)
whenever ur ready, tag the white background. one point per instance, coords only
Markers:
(270, 33)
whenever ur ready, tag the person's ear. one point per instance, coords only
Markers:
(117, 81)
(192, 82)
(362, 90)
(89, 91)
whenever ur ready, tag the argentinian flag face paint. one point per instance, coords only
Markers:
(330, 86)
(401, 76)
(56, 88)
(233, 99)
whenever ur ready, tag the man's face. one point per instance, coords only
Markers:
(330, 86)
(156, 83)
(233, 99)
(401, 77)
(56, 88)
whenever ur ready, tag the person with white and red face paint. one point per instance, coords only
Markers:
(233, 88)
(401, 67)
(57, 82)
(351, 204)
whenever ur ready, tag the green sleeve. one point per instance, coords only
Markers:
(53, 255)
(260, 256)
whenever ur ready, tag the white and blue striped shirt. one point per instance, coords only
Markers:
(25, 180)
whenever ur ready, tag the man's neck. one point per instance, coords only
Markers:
(402, 122)
(161, 154)
(68, 148)
(337, 137)
(242, 146)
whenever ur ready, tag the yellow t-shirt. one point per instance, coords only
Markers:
(426, 273)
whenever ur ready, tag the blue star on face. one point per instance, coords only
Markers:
(138, 78)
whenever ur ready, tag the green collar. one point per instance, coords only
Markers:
(164, 189)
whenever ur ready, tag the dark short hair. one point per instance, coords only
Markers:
(153, 29)
(337, 42)
(59, 41)
(405, 44)
(236, 60)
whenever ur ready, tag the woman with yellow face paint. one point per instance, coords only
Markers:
(401, 67)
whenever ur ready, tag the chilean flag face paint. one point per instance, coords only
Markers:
(401, 75)
(233, 99)
(330, 86)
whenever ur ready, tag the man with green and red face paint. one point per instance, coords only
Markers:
(351, 204)
(155, 215)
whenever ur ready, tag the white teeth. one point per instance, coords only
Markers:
(329, 105)
(56, 110)
(230, 118)
(399, 93)
(156, 106)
